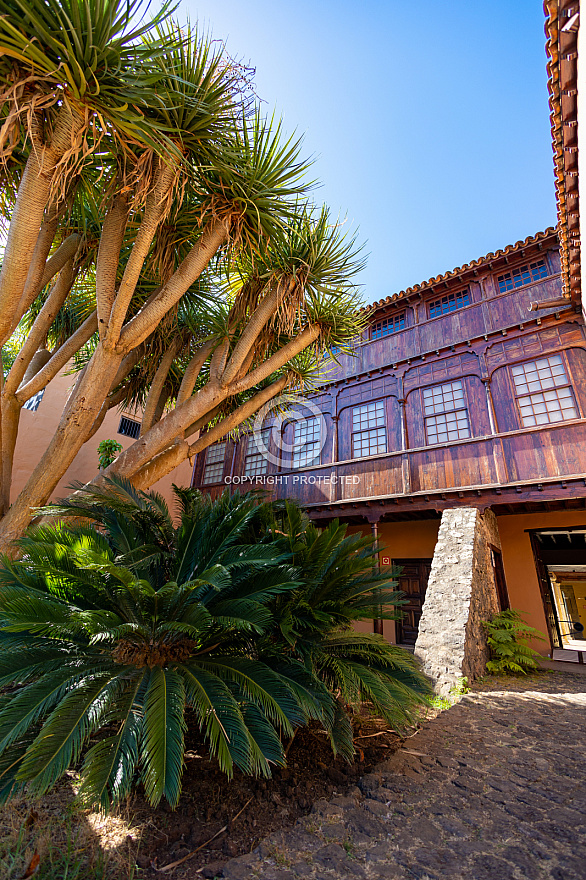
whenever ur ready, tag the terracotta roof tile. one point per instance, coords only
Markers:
(425, 285)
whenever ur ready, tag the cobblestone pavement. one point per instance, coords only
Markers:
(491, 789)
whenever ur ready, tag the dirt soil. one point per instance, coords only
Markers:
(242, 811)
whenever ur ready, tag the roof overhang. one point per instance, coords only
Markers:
(567, 102)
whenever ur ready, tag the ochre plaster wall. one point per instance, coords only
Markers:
(37, 428)
(401, 540)
(520, 572)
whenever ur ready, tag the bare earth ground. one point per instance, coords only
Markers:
(490, 789)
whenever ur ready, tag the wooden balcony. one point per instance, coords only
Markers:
(556, 451)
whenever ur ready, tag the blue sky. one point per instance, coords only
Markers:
(429, 122)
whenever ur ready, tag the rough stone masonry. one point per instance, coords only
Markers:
(461, 593)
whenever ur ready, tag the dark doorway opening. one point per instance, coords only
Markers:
(496, 558)
(560, 559)
(413, 582)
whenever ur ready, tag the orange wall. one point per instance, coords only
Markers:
(37, 428)
(401, 540)
(520, 571)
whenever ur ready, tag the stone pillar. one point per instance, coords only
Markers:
(461, 593)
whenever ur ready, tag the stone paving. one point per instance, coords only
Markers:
(491, 789)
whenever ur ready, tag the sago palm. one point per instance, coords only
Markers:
(340, 584)
(120, 633)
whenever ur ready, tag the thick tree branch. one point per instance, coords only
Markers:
(192, 372)
(40, 328)
(58, 360)
(258, 321)
(278, 360)
(219, 358)
(239, 415)
(108, 258)
(143, 324)
(163, 463)
(157, 385)
(153, 214)
(27, 217)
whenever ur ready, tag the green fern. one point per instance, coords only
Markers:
(507, 640)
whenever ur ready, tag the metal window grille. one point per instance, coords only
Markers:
(306, 442)
(369, 431)
(388, 326)
(449, 303)
(214, 463)
(522, 275)
(255, 463)
(34, 402)
(445, 412)
(129, 428)
(544, 393)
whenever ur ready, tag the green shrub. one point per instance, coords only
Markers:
(108, 636)
(507, 640)
(107, 452)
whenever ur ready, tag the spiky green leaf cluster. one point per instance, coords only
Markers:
(240, 613)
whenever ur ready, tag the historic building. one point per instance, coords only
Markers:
(468, 391)
(457, 432)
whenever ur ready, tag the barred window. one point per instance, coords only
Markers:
(388, 326)
(544, 393)
(369, 431)
(522, 275)
(129, 428)
(255, 462)
(214, 463)
(445, 412)
(34, 402)
(449, 303)
(306, 442)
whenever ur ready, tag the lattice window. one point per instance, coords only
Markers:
(255, 462)
(369, 430)
(445, 412)
(214, 463)
(388, 326)
(544, 393)
(522, 275)
(129, 428)
(306, 442)
(449, 303)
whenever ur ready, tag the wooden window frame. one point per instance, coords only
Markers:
(528, 394)
(253, 452)
(445, 412)
(400, 317)
(367, 430)
(524, 266)
(438, 302)
(316, 459)
(213, 482)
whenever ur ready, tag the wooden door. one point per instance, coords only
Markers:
(553, 627)
(413, 582)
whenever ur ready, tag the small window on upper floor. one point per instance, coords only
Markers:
(34, 402)
(522, 275)
(446, 413)
(388, 326)
(451, 302)
(129, 428)
(369, 430)
(306, 442)
(214, 463)
(544, 393)
(255, 462)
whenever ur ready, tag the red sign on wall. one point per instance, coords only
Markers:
(386, 560)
